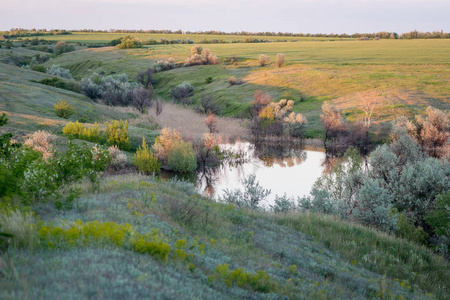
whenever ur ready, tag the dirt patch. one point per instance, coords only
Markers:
(191, 125)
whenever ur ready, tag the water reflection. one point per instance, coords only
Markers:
(281, 169)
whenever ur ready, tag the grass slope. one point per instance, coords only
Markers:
(300, 264)
(29, 106)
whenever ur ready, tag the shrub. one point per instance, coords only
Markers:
(263, 60)
(235, 81)
(251, 197)
(118, 158)
(282, 204)
(91, 133)
(209, 79)
(40, 142)
(279, 60)
(181, 158)
(117, 134)
(73, 130)
(439, 218)
(129, 42)
(211, 123)
(201, 56)
(374, 206)
(58, 71)
(207, 105)
(91, 86)
(407, 230)
(117, 90)
(164, 143)
(63, 109)
(165, 64)
(144, 159)
(260, 282)
(62, 47)
(181, 92)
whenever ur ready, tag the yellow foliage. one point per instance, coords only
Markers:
(117, 134)
(144, 159)
(74, 130)
(267, 113)
(165, 142)
(91, 133)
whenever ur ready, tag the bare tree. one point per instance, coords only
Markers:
(208, 105)
(211, 123)
(369, 106)
(145, 77)
(142, 98)
(333, 120)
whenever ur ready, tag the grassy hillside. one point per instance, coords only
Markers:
(29, 105)
(214, 251)
(405, 76)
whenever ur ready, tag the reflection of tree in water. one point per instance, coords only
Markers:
(333, 160)
(283, 156)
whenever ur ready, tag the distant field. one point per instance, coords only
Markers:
(404, 75)
(94, 38)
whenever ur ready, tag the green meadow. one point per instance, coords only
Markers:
(410, 73)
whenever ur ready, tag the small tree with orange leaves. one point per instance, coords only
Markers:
(211, 123)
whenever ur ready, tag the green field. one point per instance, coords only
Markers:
(97, 38)
(413, 73)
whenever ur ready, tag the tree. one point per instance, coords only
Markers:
(142, 98)
(279, 60)
(333, 120)
(145, 77)
(211, 123)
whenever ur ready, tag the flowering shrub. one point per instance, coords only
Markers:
(117, 134)
(260, 282)
(63, 109)
(118, 158)
(165, 142)
(40, 142)
(73, 130)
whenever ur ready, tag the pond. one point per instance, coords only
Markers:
(283, 170)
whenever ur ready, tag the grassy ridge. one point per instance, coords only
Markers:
(297, 265)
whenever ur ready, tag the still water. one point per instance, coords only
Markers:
(283, 170)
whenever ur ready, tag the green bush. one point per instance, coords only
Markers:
(182, 158)
(144, 159)
(130, 42)
(63, 109)
(260, 282)
(439, 217)
(407, 230)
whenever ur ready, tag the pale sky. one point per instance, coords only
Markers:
(305, 16)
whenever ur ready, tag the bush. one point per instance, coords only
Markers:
(251, 197)
(142, 99)
(73, 130)
(63, 109)
(117, 134)
(145, 77)
(58, 71)
(201, 56)
(118, 158)
(62, 84)
(91, 134)
(282, 204)
(263, 60)
(165, 142)
(235, 81)
(91, 86)
(40, 142)
(129, 42)
(62, 47)
(144, 159)
(181, 92)
(439, 217)
(117, 90)
(374, 206)
(181, 158)
(164, 65)
(279, 60)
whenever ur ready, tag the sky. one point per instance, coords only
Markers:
(296, 16)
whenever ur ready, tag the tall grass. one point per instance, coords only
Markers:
(381, 253)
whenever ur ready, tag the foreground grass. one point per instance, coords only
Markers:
(204, 237)
(374, 250)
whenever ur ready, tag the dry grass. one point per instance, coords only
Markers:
(191, 125)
